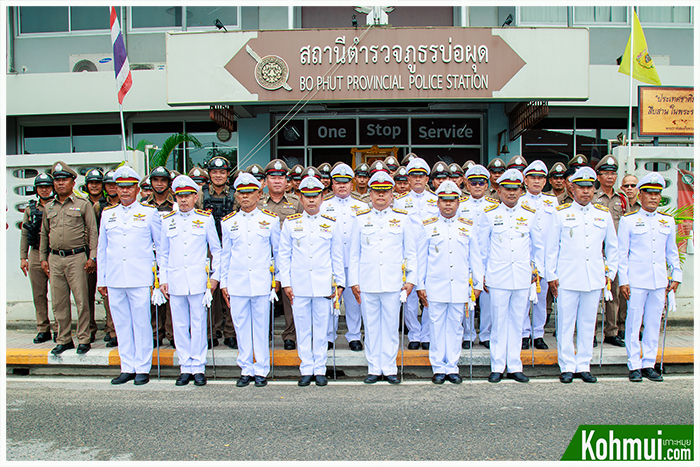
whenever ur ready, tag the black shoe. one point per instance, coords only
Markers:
(425, 345)
(141, 378)
(495, 377)
(216, 343)
(621, 334)
(566, 377)
(586, 376)
(540, 344)
(438, 378)
(83, 349)
(466, 345)
(355, 346)
(526, 343)
(392, 379)
(641, 334)
(289, 344)
(595, 341)
(231, 342)
(486, 344)
(60, 348)
(92, 338)
(106, 337)
(518, 376)
(614, 340)
(123, 378)
(183, 379)
(112, 342)
(454, 378)
(200, 379)
(651, 374)
(330, 345)
(413, 345)
(305, 380)
(42, 337)
(243, 381)
(260, 381)
(55, 335)
(371, 379)
(218, 334)
(321, 380)
(635, 376)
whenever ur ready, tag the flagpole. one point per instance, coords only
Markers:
(629, 117)
(121, 116)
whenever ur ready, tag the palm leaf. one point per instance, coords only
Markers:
(163, 154)
(141, 146)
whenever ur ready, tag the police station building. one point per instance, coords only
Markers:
(322, 84)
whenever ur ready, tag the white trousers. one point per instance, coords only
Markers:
(418, 331)
(190, 331)
(539, 313)
(644, 305)
(577, 310)
(484, 321)
(353, 317)
(311, 316)
(507, 310)
(251, 318)
(131, 313)
(445, 336)
(380, 312)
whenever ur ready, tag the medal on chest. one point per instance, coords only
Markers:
(139, 217)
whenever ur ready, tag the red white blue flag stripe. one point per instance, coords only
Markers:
(121, 62)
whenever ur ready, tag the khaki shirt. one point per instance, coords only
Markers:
(68, 225)
(493, 194)
(634, 207)
(614, 204)
(23, 240)
(199, 204)
(288, 205)
(365, 197)
(165, 206)
(565, 198)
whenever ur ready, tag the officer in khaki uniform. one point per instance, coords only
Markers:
(496, 168)
(401, 183)
(68, 238)
(199, 175)
(361, 180)
(616, 202)
(30, 264)
(556, 179)
(325, 170)
(283, 204)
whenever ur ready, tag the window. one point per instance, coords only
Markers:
(156, 134)
(204, 16)
(94, 138)
(156, 17)
(205, 132)
(43, 19)
(47, 139)
(677, 15)
(85, 18)
(600, 15)
(72, 138)
(539, 16)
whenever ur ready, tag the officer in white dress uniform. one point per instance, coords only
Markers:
(448, 255)
(647, 243)
(382, 241)
(476, 181)
(510, 244)
(545, 205)
(420, 203)
(129, 231)
(310, 255)
(342, 204)
(185, 236)
(576, 272)
(250, 239)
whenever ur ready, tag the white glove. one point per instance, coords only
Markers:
(671, 305)
(533, 293)
(206, 301)
(403, 296)
(273, 296)
(157, 297)
(334, 311)
(471, 305)
(607, 295)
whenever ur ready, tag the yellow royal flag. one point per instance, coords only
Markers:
(644, 69)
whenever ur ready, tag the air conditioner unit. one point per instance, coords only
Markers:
(147, 66)
(90, 62)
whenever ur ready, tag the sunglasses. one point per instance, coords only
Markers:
(477, 182)
(632, 185)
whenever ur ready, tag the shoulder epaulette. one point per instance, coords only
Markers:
(147, 205)
(550, 194)
(430, 220)
(111, 206)
(491, 208)
(492, 200)
(633, 212)
(601, 207)
(203, 212)
(402, 195)
(363, 211)
(662, 213)
(563, 206)
(328, 217)
(229, 215)
(356, 196)
(430, 190)
(400, 211)
(328, 196)
(269, 213)
(463, 198)
(527, 207)
(171, 213)
(294, 216)
(464, 220)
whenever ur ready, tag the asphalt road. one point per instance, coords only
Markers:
(87, 419)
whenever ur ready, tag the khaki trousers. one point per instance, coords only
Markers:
(40, 289)
(219, 311)
(165, 321)
(68, 275)
(615, 312)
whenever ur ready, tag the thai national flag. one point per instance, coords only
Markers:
(121, 62)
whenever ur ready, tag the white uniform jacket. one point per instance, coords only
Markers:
(647, 242)
(575, 247)
(249, 242)
(447, 253)
(545, 205)
(183, 251)
(473, 208)
(310, 253)
(381, 242)
(344, 210)
(419, 206)
(125, 248)
(510, 242)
